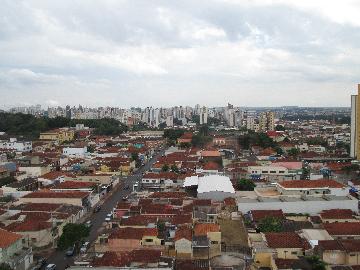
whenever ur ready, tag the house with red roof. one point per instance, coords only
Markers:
(13, 251)
(313, 187)
(281, 245)
(343, 230)
(78, 198)
(128, 239)
(338, 215)
(339, 252)
(183, 242)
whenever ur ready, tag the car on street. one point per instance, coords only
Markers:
(88, 224)
(97, 208)
(50, 266)
(84, 247)
(125, 198)
(70, 251)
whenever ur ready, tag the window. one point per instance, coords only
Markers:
(214, 242)
(148, 240)
(281, 171)
(293, 252)
(265, 171)
(33, 240)
(272, 171)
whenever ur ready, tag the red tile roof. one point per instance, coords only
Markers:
(257, 215)
(324, 183)
(29, 225)
(213, 166)
(74, 185)
(56, 174)
(205, 228)
(337, 214)
(133, 233)
(343, 228)
(138, 220)
(124, 259)
(53, 194)
(284, 240)
(40, 207)
(168, 195)
(183, 232)
(7, 238)
(344, 245)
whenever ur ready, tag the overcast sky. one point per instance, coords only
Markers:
(164, 53)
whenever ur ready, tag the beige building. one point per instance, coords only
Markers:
(355, 124)
(340, 252)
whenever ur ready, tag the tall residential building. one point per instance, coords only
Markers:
(169, 121)
(355, 124)
(203, 115)
(267, 121)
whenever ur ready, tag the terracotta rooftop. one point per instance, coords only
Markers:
(138, 220)
(257, 215)
(52, 194)
(210, 153)
(7, 238)
(74, 185)
(284, 240)
(205, 228)
(183, 232)
(324, 183)
(133, 233)
(168, 195)
(56, 174)
(29, 225)
(348, 245)
(343, 228)
(337, 214)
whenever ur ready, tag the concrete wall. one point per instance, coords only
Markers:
(310, 207)
(215, 195)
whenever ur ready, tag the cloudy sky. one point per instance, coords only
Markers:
(163, 53)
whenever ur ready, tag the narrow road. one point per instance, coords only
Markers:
(97, 219)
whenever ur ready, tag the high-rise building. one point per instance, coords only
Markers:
(267, 121)
(203, 115)
(355, 125)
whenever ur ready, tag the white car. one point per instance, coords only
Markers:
(84, 247)
(50, 266)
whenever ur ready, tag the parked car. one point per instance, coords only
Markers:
(50, 266)
(88, 224)
(84, 247)
(125, 198)
(97, 208)
(70, 251)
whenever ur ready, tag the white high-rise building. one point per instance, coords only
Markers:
(169, 121)
(203, 115)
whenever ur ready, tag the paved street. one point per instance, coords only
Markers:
(97, 219)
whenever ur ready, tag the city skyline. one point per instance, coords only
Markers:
(162, 54)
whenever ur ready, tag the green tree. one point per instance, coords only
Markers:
(165, 168)
(173, 134)
(246, 185)
(280, 128)
(161, 225)
(270, 224)
(294, 152)
(5, 266)
(134, 156)
(7, 180)
(91, 148)
(316, 263)
(72, 233)
(175, 168)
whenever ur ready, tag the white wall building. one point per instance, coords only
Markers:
(75, 151)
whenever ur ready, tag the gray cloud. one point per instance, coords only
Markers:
(122, 52)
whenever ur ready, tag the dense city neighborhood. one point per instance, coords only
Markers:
(230, 189)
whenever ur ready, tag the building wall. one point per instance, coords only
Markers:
(310, 207)
(72, 201)
(353, 133)
(123, 244)
(357, 131)
(289, 253)
(183, 247)
(40, 238)
(334, 257)
(215, 195)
